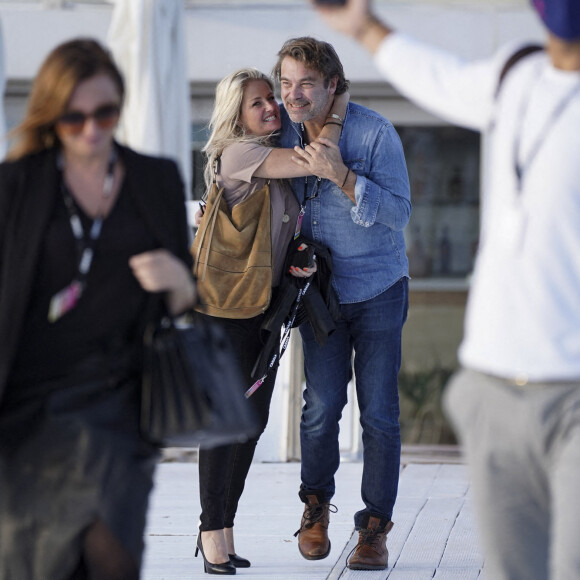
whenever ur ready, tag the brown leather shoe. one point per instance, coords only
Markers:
(313, 542)
(371, 551)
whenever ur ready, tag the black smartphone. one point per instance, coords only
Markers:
(304, 257)
(330, 2)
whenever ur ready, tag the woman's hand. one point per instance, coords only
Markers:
(161, 271)
(199, 214)
(197, 218)
(323, 159)
(307, 271)
(303, 272)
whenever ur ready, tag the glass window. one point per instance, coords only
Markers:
(199, 137)
(443, 165)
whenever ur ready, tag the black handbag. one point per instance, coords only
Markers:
(192, 391)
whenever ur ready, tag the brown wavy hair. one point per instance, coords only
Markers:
(316, 55)
(67, 65)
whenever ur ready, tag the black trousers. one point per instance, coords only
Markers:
(223, 470)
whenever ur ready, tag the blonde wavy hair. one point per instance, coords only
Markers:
(224, 123)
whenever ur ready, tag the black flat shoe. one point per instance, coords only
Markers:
(208, 567)
(238, 561)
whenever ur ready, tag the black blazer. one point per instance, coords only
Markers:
(28, 190)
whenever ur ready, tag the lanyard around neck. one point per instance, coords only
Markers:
(520, 167)
(305, 196)
(67, 299)
(86, 241)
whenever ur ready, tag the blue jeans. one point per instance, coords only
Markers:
(373, 330)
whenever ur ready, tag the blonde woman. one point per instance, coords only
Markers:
(244, 127)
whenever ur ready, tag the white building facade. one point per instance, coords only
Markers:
(444, 162)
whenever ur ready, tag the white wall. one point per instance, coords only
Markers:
(223, 36)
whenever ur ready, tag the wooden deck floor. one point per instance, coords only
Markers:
(434, 534)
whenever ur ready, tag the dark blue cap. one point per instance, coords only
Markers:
(561, 17)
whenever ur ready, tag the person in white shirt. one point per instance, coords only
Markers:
(515, 403)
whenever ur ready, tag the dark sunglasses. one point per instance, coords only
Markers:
(105, 116)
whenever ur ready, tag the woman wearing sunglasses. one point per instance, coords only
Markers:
(244, 127)
(91, 235)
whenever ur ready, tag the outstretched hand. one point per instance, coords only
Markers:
(348, 19)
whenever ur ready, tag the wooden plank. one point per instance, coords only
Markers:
(405, 514)
(433, 480)
(411, 574)
(463, 545)
(451, 481)
(417, 479)
(457, 574)
(428, 538)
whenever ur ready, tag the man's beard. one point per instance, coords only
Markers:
(303, 113)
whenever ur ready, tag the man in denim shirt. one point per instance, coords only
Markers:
(359, 215)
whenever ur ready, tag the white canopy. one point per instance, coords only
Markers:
(148, 42)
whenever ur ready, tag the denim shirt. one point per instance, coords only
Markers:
(366, 241)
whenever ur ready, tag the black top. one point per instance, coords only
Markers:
(106, 318)
(30, 192)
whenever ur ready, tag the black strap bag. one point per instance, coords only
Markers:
(192, 391)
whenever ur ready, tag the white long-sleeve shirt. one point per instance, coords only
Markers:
(523, 312)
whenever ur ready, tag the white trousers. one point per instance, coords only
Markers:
(522, 445)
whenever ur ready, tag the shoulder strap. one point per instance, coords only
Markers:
(207, 226)
(514, 59)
